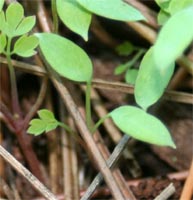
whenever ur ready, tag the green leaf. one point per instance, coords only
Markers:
(3, 42)
(25, 46)
(25, 26)
(177, 5)
(163, 4)
(14, 15)
(47, 122)
(125, 48)
(112, 9)
(51, 126)
(65, 57)
(2, 20)
(174, 38)
(142, 126)
(46, 115)
(74, 16)
(131, 76)
(120, 69)
(151, 80)
(37, 127)
(162, 17)
(1, 5)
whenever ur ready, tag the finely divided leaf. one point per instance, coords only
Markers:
(151, 80)
(112, 9)
(74, 16)
(142, 126)
(65, 57)
(25, 46)
(174, 37)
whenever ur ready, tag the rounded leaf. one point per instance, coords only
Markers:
(65, 57)
(74, 16)
(151, 80)
(174, 38)
(25, 26)
(14, 15)
(3, 42)
(141, 126)
(112, 9)
(25, 45)
(46, 115)
(125, 49)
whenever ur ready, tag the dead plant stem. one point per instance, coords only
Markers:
(27, 174)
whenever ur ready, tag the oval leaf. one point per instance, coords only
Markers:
(74, 16)
(131, 76)
(25, 26)
(125, 48)
(2, 20)
(65, 57)
(142, 126)
(112, 9)
(175, 36)
(3, 42)
(25, 46)
(151, 80)
(14, 15)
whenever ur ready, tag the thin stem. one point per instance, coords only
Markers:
(88, 104)
(136, 57)
(37, 103)
(66, 127)
(14, 94)
(55, 17)
(7, 116)
(27, 174)
(99, 123)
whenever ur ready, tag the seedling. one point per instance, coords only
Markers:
(72, 62)
(128, 68)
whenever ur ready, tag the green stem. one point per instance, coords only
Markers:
(135, 58)
(14, 95)
(66, 127)
(99, 123)
(88, 104)
(55, 16)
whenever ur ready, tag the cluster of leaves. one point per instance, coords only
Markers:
(14, 24)
(84, 9)
(131, 72)
(71, 62)
(157, 65)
